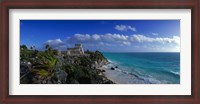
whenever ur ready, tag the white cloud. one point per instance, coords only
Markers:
(126, 43)
(131, 28)
(108, 37)
(121, 27)
(96, 37)
(56, 41)
(176, 39)
(142, 38)
(82, 37)
(110, 40)
(114, 37)
(56, 44)
(125, 28)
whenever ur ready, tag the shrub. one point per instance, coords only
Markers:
(43, 73)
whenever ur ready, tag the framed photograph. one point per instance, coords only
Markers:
(141, 52)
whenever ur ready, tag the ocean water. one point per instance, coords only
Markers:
(150, 68)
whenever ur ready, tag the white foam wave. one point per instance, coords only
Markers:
(136, 75)
(109, 61)
(174, 72)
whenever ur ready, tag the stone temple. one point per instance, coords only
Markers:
(76, 51)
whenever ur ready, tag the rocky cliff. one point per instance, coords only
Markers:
(50, 68)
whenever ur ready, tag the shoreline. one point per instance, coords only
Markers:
(105, 76)
(142, 68)
(122, 77)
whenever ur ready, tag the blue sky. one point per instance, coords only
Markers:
(103, 35)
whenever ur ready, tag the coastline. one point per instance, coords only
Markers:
(113, 75)
(103, 72)
(142, 68)
(122, 77)
(54, 67)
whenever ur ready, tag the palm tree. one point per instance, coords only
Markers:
(31, 48)
(47, 46)
(23, 47)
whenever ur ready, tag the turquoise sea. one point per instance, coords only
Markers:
(152, 68)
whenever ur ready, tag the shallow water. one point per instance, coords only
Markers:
(142, 68)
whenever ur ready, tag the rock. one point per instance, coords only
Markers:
(59, 82)
(99, 63)
(44, 82)
(74, 82)
(24, 69)
(112, 68)
(62, 76)
(29, 63)
(103, 78)
(100, 74)
(103, 71)
(84, 80)
(108, 82)
(53, 81)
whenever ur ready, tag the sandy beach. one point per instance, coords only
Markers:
(128, 78)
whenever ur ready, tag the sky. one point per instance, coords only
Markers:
(103, 35)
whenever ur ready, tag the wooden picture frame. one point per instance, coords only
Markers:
(5, 98)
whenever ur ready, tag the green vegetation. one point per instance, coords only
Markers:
(94, 56)
(26, 54)
(43, 73)
(50, 66)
